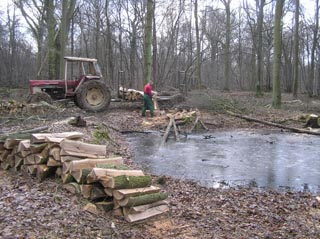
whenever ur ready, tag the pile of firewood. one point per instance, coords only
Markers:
(85, 170)
(130, 94)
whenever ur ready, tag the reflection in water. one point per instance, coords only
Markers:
(276, 160)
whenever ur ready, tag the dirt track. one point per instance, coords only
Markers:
(29, 209)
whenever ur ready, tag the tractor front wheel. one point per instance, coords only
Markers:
(93, 96)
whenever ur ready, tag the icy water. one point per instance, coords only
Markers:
(252, 158)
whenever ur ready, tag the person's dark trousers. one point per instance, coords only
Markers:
(147, 105)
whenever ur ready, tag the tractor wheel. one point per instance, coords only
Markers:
(39, 96)
(93, 96)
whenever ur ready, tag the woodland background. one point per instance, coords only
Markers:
(196, 44)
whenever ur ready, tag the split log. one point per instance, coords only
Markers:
(67, 178)
(59, 171)
(5, 165)
(97, 192)
(86, 190)
(151, 212)
(68, 158)
(37, 148)
(30, 159)
(73, 188)
(5, 154)
(53, 163)
(92, 208)
(113, 166)
(142, 208)
(105, 206)
(98, 174)
(142, 199)
(11, 142)
(55, 153)
(18, 161)
(41, 138)
(296, 130)
(122, 193)
(127, 182)
(91, 163)
(80, 149)
(109, 191)
(39, 159)
(43, 171)
(81, 175)
(32, 169)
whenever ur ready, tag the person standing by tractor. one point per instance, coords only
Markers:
(147, 99)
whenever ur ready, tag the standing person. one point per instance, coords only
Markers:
(147, 99)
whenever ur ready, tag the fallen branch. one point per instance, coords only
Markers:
(297, 130)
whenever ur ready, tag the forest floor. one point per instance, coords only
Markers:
(30, 209)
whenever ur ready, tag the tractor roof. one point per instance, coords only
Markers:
(79, 59)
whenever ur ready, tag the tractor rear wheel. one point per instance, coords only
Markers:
(39, 96)
(93, 96)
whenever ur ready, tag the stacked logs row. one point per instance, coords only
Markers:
(130, 94)
(84, 169)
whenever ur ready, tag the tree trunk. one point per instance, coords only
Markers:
(198, 55)
(259, 51)
(296, 52)
(276, 93)
(312, 79)
(227, 61)
(148, 42)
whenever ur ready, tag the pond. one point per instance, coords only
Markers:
(274, 159)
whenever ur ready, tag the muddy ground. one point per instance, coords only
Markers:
(30, 209)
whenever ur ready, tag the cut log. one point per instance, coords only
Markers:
(86, 190)
(30, 159)
(98, 174)
(113, 166)
(65, 167)
(92, 208)
(59, 171)
(18, 161)
(32, 170)
(80, 149)
(67, 178)
(37, 148)
(127, 182)
(122, 193)
(24, 145)
(55, 153)
(91, 163)
(151, 212)
(4, 154)
(40, 138)
(142, 208)
(81, 175)
(43, 171)
(109, 191)
(117, 212)
(73, 188)
(5, 165)
(53, 163)
(68, 158)
(11, 142)
(39, 159)
(97, 192)
(142, 199)
(105, 206)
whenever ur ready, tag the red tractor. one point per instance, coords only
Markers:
(86, 86)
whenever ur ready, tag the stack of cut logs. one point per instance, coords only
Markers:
(85, 169)
(130, 94)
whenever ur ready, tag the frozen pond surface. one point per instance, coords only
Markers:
(265, 159)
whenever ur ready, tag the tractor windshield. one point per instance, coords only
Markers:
(97, 68)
